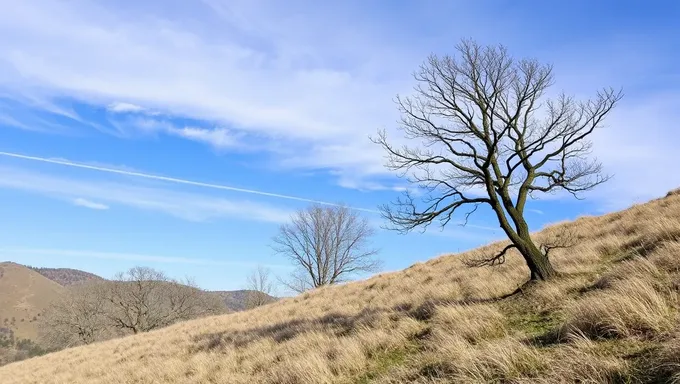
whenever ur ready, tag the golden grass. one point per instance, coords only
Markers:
(24, 295)
(631, 307)
(611, 317)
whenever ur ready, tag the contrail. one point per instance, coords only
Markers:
(174, 180)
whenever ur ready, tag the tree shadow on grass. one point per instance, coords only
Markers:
(337, 323)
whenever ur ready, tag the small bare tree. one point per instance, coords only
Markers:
(488, 136)
(260, 288)
(327, 244)
(77, 318)
(143, 299)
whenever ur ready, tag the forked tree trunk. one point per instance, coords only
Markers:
(538, 263)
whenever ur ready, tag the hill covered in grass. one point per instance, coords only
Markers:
(610, 317)
(24, 295)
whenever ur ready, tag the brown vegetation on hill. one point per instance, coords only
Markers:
(67, 276)
(611, 316)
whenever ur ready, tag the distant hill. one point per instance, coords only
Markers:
(236, 300)
(26, 291)
(24, 295)
(67, 276)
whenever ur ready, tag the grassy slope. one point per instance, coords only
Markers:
(24, 294)
(610, 317)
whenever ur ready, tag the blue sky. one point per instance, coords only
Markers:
(280, 98)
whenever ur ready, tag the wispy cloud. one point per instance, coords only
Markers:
(169, 179)
(135, 257)
(8, 120)
(278, 82)
(119, 107)
(89, 204)
(263, 68)
(184, 205)
(218, 138)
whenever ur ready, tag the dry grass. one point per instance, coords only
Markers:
(610, 318)
(24, 295)
(631, 307)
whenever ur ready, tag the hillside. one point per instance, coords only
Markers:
(237, 300)
(612, 316)
(24, 294)
(234, 300)
(67, 276)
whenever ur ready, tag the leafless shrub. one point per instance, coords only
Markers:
(260, 288)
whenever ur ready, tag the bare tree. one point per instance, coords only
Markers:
(143, 299)
(260, 288)
(327, 244)
(78, 318)
(488, 136)
(138, 300)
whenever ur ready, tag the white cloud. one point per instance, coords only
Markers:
(119, 107)
(218, 138)
(184, 205)
(89, 204)
(286, 89)
(164, 62)
(8, 120)
(303, 77)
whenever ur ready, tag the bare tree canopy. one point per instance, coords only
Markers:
(260, 288)
(143, 299)
(78, 318)
(138, 300)
(487, 134)
(328, 244)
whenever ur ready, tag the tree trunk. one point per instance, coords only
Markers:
(537, 261)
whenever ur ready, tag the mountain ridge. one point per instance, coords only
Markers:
(66, 276)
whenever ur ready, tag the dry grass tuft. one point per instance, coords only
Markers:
(472, 323)
(582, 362)
(508, 360)
(639, 268)
(632, 307)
